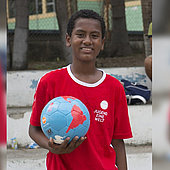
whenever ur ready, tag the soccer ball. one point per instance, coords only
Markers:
(65, 116)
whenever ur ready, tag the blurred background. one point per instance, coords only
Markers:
(161, 85)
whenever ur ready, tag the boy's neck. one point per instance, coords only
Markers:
(83, 68)
(86, 72)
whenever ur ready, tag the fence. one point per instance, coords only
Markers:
(42, 15)
(43, 25)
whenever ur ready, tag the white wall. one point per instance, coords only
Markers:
(21, 85)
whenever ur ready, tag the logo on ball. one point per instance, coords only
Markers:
(43, 120)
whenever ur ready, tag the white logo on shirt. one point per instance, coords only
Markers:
(100, 115)
(104, 104)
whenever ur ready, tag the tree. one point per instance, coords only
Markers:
(64, 9)
(147, 19)
(119, 44)
(146, 14)
(19, 58)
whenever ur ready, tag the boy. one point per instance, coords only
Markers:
(102, 94)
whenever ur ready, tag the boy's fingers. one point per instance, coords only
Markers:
(66, 146)
(50, 143)
(80, 141)
(65, 143)
(76, 142)
(73, 142)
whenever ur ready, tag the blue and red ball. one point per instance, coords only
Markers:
(65, 116)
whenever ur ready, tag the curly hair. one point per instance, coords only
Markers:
(85, 13)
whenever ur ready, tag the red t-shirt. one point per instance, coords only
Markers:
(106, 102)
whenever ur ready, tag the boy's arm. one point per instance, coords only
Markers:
(38, 136)
(119, 148)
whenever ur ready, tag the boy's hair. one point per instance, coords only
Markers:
(85, 13)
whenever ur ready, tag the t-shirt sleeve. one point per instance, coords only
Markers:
(122, 128)
(40, 100)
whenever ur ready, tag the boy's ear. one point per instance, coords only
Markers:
(68, 40)
(103, 41)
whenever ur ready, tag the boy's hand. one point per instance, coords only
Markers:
(65, 147)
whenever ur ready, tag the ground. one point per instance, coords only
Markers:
(136, 60)
(138, 157)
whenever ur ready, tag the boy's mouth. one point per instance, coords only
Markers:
(86, 49)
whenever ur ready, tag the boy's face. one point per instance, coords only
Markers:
(86, 39)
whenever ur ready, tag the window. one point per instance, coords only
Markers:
(35, 7)
(50, 5)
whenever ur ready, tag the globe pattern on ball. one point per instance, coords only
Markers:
(63, 117)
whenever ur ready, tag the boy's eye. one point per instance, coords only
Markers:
(80, 35)
(95, 36)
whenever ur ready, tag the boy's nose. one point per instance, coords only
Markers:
(87, 40)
